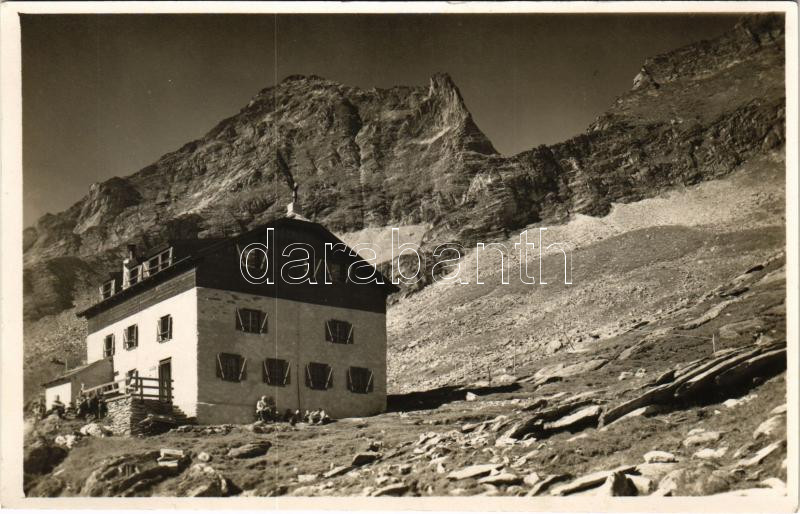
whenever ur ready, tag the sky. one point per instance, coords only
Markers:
(106, 95)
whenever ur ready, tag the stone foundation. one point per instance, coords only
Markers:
(125, 413)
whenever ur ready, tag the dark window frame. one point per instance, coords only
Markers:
(321, 378)
(251, 321)
(127, 342)
(276, 372)
(339, 331)
(231, 367)
(360, 380)
(109, 351)
(161, 334)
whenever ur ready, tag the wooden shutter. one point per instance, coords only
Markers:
(239, 323)
(286, 375)
(329, 381)
(243, 370)
(349, 379)
(136, 337)
(113, 344)
(220, 371)
(309, 379)
(158, 329)
(370, 384)
(328, 332)
(263, 329)
(169, 327)
(265, 375)
(350, 335)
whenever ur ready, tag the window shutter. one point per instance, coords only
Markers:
(349, 380)
(169, 327)
(220, 372)
(329, 381)
(158, 330)
(239, 323)
(266, 372)
(328, 331)
(309, 380)
(113, 344)
(263, 328)
(286, 375)
(243, 370)
(316, 269)
(370, 385)
(136, 336)
(350, 335)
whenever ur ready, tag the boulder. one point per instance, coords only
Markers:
(668, 486)
(616, 484)
(365, 458)
(501, 479)
(656, 456)
(475, 471)
(127, 475)
(95, 430)
(708, 453)
(250, 450)
(770, 426)
(578, 419)
(588, 481)
(397, 489)
(202, 481)
(761, 455)
(543, 484)
(338, 470)
(703, 437)
(531, 479)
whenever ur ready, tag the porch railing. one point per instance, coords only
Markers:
(144, 388)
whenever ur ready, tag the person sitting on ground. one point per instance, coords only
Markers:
(306, 416)
(324, 419)
(262, 409)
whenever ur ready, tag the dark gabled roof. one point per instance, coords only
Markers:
(194, 250)
(65, 377)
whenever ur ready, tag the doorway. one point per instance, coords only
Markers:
(165, 380)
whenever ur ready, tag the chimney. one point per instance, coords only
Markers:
(294, 210)
(129, 263)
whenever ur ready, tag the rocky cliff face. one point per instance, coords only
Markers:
(408, 155)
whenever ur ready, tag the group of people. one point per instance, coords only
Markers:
(84, 407)
(267, 411)
(91, 405)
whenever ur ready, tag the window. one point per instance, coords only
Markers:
(164, 328)
(108, 345)
(108, 289)
(130, 380)
(255, 260)
(250, 320)
(132, 275)
(130, 337)
(276, 372)
(359, 380)
(337, 331)
(231, 367)
(157, 263)
(319, 376)
(337, 272)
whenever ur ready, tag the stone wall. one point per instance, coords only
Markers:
(125, 413)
